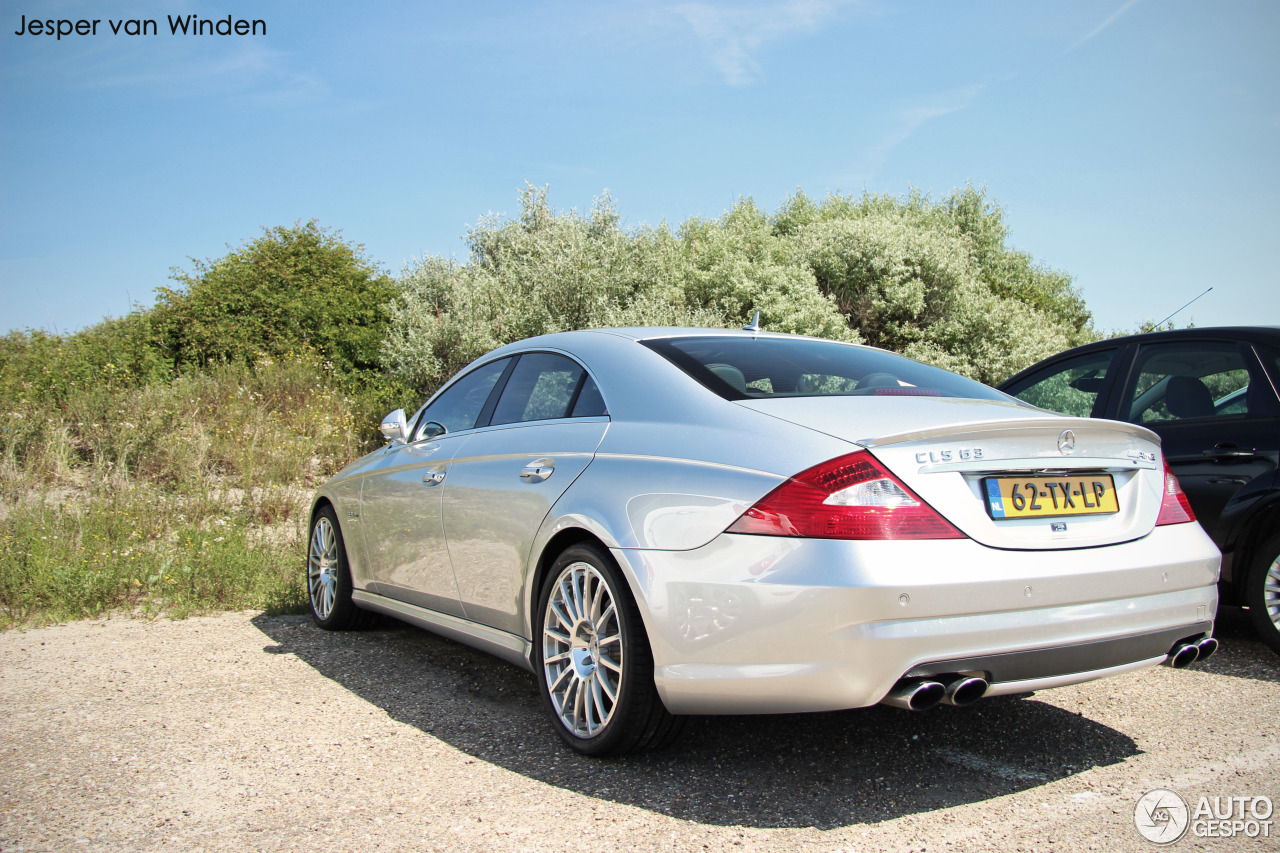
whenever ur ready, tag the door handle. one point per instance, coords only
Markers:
(434, 477)
(538, 470)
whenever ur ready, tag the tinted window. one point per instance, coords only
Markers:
(541, 387)
(1184, 381)
(589, 403)
(745, 368)
(1070, 387)
(460, 404)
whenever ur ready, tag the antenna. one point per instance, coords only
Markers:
(754, 325)
(1166, 319)
(48, 314)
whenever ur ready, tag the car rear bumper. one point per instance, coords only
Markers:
(760, 624)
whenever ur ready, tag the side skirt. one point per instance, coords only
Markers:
(509, 647)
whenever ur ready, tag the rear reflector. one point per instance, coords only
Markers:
(851, 497)
(1174, 506)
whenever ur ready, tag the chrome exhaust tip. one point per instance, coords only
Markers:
(915, 694)
(965, 691)
(1207, 647)
(1183, 655)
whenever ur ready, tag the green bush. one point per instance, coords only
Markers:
(291, 290)
(933, 280)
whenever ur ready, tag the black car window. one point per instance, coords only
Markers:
(541, 387)
(459, 405)
(743, 368)
(1070, 387)
(1187, 380)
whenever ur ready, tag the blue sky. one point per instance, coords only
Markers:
(1134, 144)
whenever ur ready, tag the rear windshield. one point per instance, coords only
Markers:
(750, 368)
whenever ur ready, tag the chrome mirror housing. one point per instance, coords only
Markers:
(394, 428)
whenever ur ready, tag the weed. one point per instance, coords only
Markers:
(173, 496)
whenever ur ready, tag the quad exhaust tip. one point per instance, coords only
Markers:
(915, 694)
(965, 691)
(921, 694)
(1186, 653)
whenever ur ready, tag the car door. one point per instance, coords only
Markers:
(543, 432)
(1216, 414)
(401, 499)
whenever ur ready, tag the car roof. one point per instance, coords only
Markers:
(1267, 334)
(647, 333)
(644, 333)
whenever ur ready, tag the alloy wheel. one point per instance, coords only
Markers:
(1271, 591)
(322, 569)
(582, 650)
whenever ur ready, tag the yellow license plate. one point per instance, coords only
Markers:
(1033, 497)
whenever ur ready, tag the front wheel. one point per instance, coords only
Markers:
(593, 661)
(1263, 593)
(329, 577)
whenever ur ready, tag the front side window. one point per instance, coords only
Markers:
(458, 407)
(1069, 387)
(1186, 381)
(744, 368)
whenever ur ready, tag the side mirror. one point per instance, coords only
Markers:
(394, 428)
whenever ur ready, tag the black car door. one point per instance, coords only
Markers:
(1216, 414)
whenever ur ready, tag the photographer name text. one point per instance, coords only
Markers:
(178, 25)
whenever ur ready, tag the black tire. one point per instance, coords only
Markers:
(1262, 592)
(583, 653)
(328, 577)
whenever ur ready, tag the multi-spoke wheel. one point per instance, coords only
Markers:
(1263, 594)
(594, 665)
(329, 578)
(582, 655)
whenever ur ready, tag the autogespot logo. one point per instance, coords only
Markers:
(1161, 816)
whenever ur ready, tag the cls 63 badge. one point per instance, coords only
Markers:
(962, 454)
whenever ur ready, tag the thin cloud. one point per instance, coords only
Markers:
(910, 120)
(734, 34)
(1110, 19)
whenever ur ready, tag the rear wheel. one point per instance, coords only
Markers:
(593, 661)
(1263, 593)
(329, 577)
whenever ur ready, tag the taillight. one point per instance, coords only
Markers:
(1174, 506)
(851, 497)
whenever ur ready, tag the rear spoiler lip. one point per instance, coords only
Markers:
(1042, 465)
(1060, 423)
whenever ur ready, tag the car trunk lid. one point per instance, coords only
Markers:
(958, 455)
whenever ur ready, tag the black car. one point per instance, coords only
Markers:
(1211, 396)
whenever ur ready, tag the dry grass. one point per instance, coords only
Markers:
(170, 498)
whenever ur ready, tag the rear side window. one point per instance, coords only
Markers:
(1070, 387)
(542, 387)
(589, 403)
(743, 368)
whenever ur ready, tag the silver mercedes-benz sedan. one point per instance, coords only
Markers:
(663, 522)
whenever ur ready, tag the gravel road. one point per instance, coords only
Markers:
(247, 732)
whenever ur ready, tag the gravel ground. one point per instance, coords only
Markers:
(248, 732)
